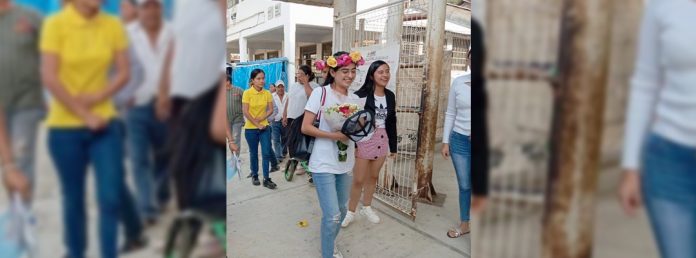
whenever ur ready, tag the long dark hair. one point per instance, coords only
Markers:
(308, 71)
(369, 86)
(255, 73)
(330, 79)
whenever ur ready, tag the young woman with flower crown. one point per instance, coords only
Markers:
(331, 168)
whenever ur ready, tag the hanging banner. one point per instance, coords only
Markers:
(388, 53)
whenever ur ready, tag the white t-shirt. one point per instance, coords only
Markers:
(279, 104)
(151, 58)
(324, 157)
(380, 111)
(199, 48)
(297, 99)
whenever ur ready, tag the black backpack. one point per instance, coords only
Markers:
(300, 145)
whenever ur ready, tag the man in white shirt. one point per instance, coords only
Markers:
(150, 38)
(278, 133)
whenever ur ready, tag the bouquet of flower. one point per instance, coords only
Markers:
(335, 116)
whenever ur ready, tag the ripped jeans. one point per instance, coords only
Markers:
(333, 191)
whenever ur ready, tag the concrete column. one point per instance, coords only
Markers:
(435, 39)
(343, 31)
(289, 44)
(320, 50)
(243, 50)
(394, 22)
(298, 55)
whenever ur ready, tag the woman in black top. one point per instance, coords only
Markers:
(371, 153)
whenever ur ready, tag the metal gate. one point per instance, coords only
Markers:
(522, 54)
(403, 23)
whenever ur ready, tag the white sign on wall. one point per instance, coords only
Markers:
(388, 53)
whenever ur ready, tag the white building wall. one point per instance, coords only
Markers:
(253, 18)
(311, 15)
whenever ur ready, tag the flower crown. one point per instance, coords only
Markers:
(343, 60)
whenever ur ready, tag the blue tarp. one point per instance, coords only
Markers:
(275, 69)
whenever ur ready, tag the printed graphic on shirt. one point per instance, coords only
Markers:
(380, 111)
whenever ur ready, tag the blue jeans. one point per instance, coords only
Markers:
(254, 137)
(72, 150)
(146, 137)
(23, 125)
(460, 151)
(278, 140)
(333, 191)
(669, 191)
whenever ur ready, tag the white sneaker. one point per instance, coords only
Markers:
(370, 214)
(350, 216)
(337, 254)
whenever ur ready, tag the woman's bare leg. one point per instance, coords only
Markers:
(370, 186)
(360, 171)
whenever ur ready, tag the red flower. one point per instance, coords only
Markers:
(344, 109)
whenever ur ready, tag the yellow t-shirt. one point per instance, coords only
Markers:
(258, 102)
(86, 50)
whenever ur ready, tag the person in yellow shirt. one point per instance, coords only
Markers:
(257, 105)
(79, 45)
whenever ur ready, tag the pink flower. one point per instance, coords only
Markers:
(344, 60)
(362, 61)
(320, 65)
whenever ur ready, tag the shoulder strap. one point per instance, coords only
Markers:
(323, 101)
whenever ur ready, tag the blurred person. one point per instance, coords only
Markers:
(257, 105)
(21, 96)
(332, 177)
(192, 82)
(150, 37)
(235, 116)
(129, 11)
(124, 97)
(13, 178)
(272, 88)
(194, 59)
(298, 94)
(279, 100)
(273, 160)
(479, 121)
(297, 98)
(371, 154)
(659, 157)
(323, 71)
(82, 122)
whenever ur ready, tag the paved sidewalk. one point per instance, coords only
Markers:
(48, 210)
(263, 222)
